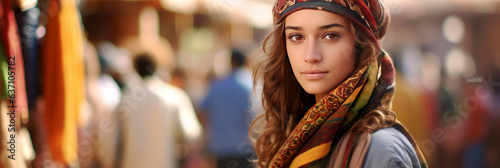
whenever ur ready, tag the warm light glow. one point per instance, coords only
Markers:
(181, 6)
(222, 62)
(453, 29)
(255, 13)
(458, 63)
(431, 71)
(260, 15)
(412, 60)
(148, 25)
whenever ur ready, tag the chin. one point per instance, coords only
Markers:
(316, 90)
(319, 88)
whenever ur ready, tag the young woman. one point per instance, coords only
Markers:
(327, 89)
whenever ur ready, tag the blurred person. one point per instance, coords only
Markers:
(226, 109)
(98, 134)
(476, 118)
(328, 88)
(149, 40)
(92, 72)
(155, 118)
(116, 63)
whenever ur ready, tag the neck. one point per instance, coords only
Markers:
(319, 96)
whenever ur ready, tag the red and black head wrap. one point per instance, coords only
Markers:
(370, 16)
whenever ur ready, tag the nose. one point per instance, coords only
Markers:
(313, 54)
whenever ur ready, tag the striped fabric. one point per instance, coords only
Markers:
(371, 16)
(316, 131)
(310, 143)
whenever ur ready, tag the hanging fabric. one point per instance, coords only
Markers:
(63, 79)
(27, 22)
(12, 53)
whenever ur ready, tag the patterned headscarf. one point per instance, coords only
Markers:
(371, 16)
(313, 140)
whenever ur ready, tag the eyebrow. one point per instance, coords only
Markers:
(321, 27)
(331, 25)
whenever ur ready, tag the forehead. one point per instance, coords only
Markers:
(314, 17)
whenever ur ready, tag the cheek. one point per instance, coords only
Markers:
(343, 55)
(348, 52)
(349, 55)
(293, 54)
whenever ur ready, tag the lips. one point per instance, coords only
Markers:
(314, 74)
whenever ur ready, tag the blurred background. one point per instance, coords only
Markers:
(166, 83)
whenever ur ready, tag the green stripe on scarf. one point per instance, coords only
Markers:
(365, 94)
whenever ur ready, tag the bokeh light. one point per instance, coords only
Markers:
(453, 29)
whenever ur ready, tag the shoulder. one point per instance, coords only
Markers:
(390, 148)
(166, 91)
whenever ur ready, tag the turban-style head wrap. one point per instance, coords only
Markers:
(371, 16)
(313, 142)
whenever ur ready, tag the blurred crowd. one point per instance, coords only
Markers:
(165, 83)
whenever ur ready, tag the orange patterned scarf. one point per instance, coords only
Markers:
(310, 143)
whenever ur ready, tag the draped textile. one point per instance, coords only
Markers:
(12, 53)
(63, 80)
(311, 142)
(371, 87)
(371, 16)
(27, 22)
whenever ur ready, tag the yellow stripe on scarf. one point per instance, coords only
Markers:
(312, 154)
(322, 150)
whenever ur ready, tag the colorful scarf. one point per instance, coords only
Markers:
(313, 139)
(371, 16)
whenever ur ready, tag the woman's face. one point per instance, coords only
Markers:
(320, 47)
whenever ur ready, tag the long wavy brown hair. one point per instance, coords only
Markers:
(285, 102)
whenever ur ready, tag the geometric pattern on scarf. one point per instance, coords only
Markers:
(330, 110)
(371, 16)
(312, 140)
